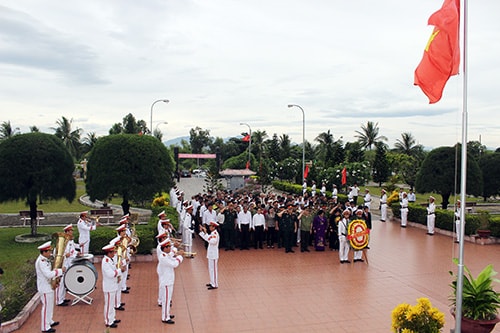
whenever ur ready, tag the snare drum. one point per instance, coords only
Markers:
(81, 277)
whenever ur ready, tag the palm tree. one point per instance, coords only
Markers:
(368, 135)
(71, 139)
(258, 138)
(325, 148)
(6, 130)
(89, 142)
(284, 143)
(406, 145)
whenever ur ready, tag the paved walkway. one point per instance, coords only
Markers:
(272, 291)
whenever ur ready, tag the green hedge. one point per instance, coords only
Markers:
(445, 219)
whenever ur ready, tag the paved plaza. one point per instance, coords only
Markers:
(268, 290)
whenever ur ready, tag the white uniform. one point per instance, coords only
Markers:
(44, 274)
(166, 276)
(404, 211)
(212, 255)
(110, 276)
(343, 243)
(368, 201)
(383, 208)
(61, 289)
(187, 233)
(457, 222)
(84, 229)
(431, 217)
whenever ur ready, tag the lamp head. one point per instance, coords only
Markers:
(165, 100)
(290, 105)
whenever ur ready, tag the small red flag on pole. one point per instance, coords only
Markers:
(344, 176)
(306, 171)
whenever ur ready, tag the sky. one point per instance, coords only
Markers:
(221, 63)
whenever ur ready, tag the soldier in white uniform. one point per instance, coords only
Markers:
(431, 216)
(44, 274)
(84, 229)
(383, 206)
(457, 221)
(187, 233)
(368, 199)
(212, 253)
(160, 238)
(404, 210)
(342, 232)
(167, 262)
(70, 253)
(110, 280)
(335, 194)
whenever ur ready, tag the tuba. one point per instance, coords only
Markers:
(61, 241)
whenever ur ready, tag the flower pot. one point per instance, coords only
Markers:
(484, 233)
(477, 326)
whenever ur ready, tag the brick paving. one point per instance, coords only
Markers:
(272, 291)
(269, 290)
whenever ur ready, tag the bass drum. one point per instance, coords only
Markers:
(81, 278)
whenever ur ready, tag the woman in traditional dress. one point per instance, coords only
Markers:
(319, 227)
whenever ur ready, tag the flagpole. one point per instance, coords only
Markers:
(463, 173)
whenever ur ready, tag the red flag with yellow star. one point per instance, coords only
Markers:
(442, 54)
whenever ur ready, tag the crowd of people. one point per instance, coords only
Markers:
(223, 219)
(248, 220)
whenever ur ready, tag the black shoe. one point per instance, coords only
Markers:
(112, 325)
(125, 292)
(457, 241)
(208, 285)
(172, 316)
(211, 287)
(292, 251)
(170, 321)
(116, 321)
(54, 324)
(403, 226)
(347, 261)
(128, 288)
(307, 250)
(50, 330)
(62, 304)
(120, 308)
(122, 304)
(430, 234)
(358, 260)
(66, 301)
(382, 220)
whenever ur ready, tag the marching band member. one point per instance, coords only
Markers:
(160, 238)
(44, 274)
(167, 262)
(122, 233)
(161, 217)
(120, 265)
(110, 277)
(70, 253)
(85, 226)
(212, 252)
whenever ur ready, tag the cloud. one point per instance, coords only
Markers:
(28, 43)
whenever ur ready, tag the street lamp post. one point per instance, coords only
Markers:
(151, 116)
(249, 142)
(303, 138)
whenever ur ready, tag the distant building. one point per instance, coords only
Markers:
(236, 177)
